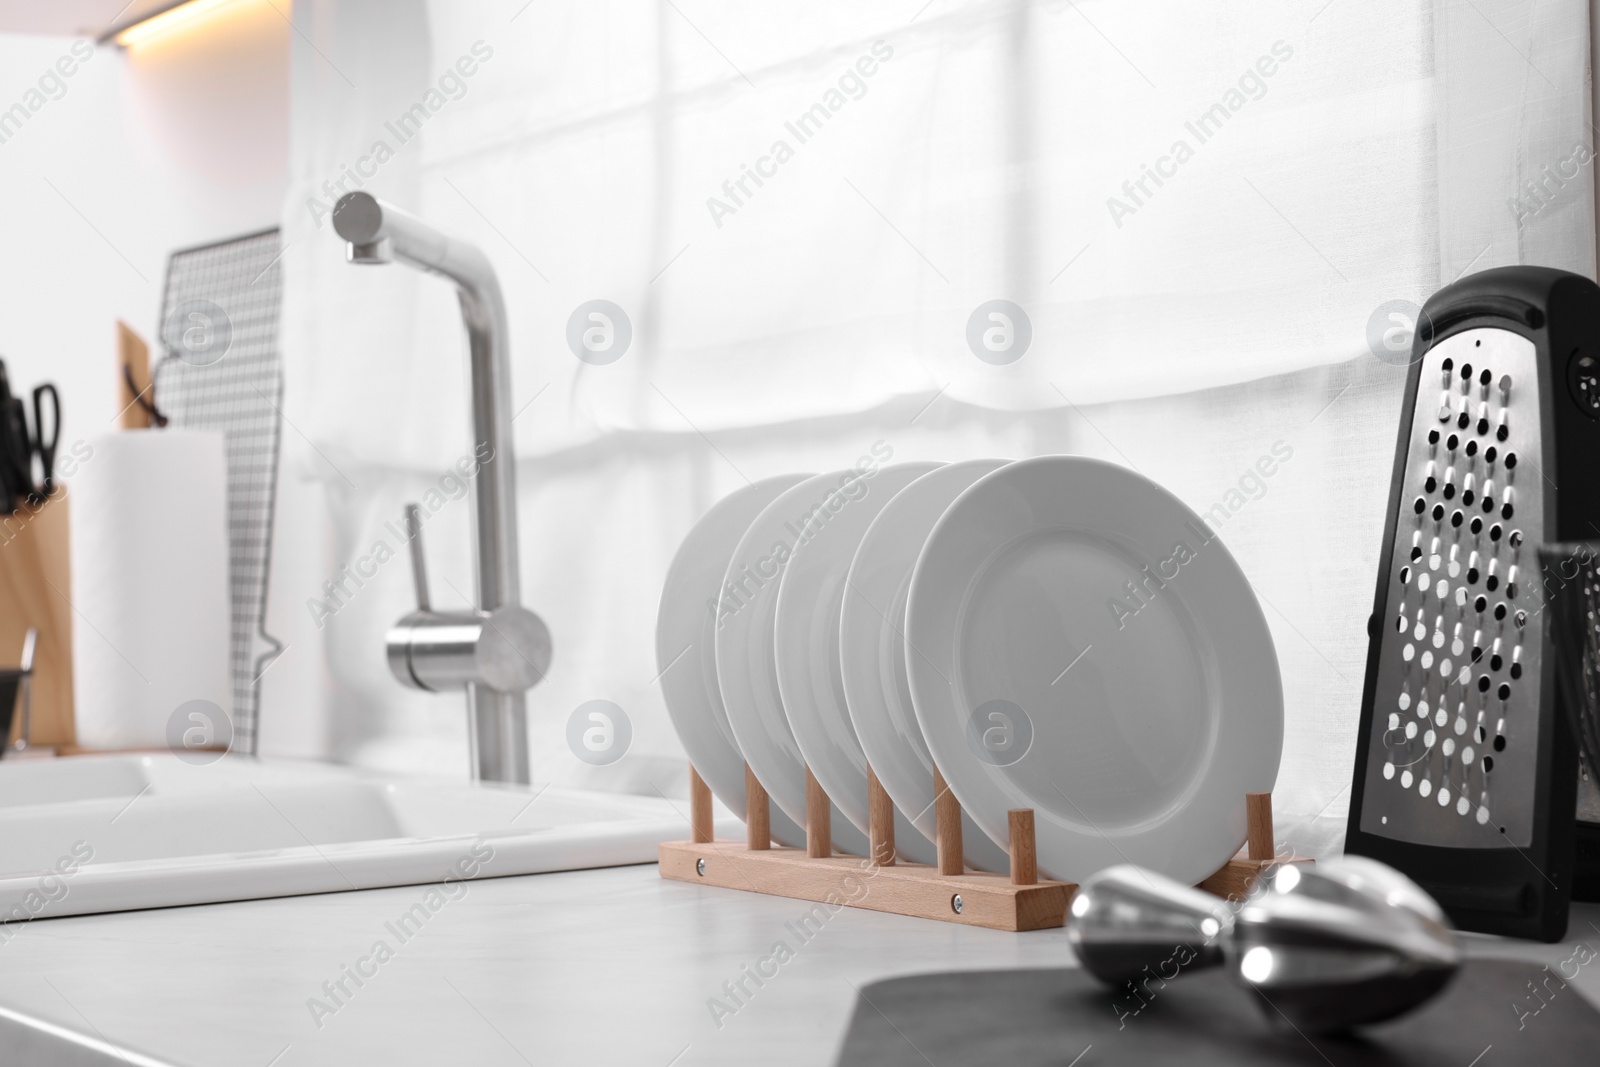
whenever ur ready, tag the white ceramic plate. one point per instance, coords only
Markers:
(872, 652)
(746, 670)
(686, 651)
(806, 641)
(1079, 643)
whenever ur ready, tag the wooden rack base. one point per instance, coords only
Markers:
(947, 891)
(904, 889)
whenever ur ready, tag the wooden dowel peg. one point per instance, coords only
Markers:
(1024, 861)
(880, 821)
(700, 828)
(947, 827)
(757, 814)
(1258, 812)
(819, 819)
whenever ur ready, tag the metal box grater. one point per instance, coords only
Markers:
(1466, 776)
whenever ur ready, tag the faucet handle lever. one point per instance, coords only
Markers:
(419, 569)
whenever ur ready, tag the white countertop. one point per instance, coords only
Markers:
(594, 967)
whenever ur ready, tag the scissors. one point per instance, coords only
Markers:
(18, 445)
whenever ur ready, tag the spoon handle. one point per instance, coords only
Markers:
(1128, 922)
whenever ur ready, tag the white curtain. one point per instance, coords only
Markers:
(1196, 209)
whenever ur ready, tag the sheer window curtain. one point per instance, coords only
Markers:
(800, 206)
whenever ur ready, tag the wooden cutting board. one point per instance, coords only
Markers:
(133, 368)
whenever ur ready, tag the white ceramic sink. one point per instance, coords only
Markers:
(112, 833)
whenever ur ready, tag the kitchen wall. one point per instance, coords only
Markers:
(130, 156)
(591, 157)
(590, 152)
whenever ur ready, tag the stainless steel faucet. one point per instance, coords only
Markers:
(500, 649)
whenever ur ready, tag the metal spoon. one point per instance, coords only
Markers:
(1345, 942)
(1128, 922)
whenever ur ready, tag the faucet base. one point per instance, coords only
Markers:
(498, 727)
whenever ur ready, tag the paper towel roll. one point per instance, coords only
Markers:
(149, 583)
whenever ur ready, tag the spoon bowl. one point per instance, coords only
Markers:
(1328, 946)
(1346, 942)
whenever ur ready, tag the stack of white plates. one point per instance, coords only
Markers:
(1057, 633)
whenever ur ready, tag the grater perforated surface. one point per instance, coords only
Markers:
(1455, 725)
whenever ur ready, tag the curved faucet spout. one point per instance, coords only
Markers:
(376, 232)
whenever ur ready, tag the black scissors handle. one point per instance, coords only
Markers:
(46, 448)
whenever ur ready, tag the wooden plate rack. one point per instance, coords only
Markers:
(1018, 900)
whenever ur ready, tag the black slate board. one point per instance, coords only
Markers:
(1064, 1017)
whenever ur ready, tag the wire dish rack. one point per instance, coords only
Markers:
(220, 370)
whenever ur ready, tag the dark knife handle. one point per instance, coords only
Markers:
(16, 480)
(46, 448)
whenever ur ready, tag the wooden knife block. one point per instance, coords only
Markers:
(35, 584)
